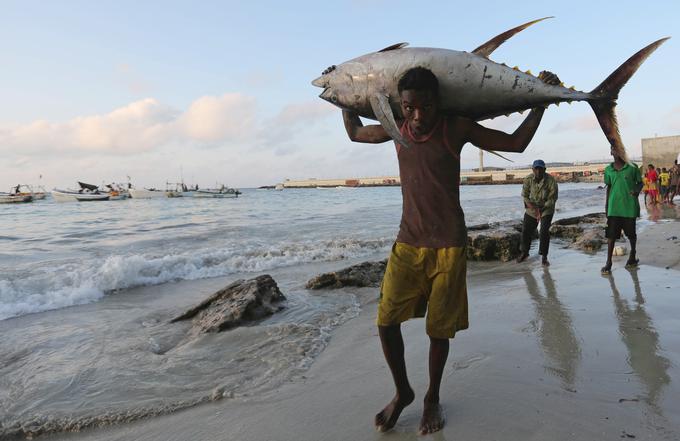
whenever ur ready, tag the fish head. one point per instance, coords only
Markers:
(345, 85)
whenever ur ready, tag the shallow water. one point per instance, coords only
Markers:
(54, 255)
(133, 265)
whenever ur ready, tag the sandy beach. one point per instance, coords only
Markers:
(559, 353)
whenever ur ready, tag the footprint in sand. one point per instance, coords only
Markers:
(467, 361)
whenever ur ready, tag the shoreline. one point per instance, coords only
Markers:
(557, 353)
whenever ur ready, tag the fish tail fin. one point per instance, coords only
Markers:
(604, 96)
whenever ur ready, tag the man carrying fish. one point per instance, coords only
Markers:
(426, 270)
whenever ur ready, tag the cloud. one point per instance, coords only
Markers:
(140, 126)
(211, 119)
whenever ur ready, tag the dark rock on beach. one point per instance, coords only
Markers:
(496, 241)
(237, 304)
(367, 274)
(486, 242)
(584, 233)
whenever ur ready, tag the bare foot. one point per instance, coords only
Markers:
(432, 420)
(387, 418)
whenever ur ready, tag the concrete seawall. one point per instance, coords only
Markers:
(573, 173)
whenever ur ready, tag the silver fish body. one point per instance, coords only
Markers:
(469, 85)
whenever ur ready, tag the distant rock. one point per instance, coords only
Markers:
(237, 304)
(366, 274)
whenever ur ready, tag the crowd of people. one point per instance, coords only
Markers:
(660, 185)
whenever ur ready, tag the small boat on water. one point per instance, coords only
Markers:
(27, 190)
(177, 190)
(9, 198)
(89, 197)
(87, 192)
(222, 192)
(116, 192)
(146, 193)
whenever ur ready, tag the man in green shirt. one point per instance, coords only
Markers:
(624, 182)
(540, 194)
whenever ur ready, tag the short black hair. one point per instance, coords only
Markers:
(419, 78)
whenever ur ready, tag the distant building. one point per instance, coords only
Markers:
(661, 151)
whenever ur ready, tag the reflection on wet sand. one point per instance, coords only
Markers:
(555, 330)
(642, 341)
(656, 212)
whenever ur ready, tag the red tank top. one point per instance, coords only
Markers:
(430, 176)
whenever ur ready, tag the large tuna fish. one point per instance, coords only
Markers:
(470, 85)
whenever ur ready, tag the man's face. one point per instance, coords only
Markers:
(539, 172)
(614, 153)
(419, 108)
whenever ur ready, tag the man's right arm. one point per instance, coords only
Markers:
(357, 132)
(525, 194)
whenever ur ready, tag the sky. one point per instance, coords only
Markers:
(220, 93)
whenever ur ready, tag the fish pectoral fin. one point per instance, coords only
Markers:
(487, 48)
(383, 112)
(393, 47)
(498, 154)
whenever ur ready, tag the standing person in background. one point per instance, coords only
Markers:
(645, 183)
(652, 178)
(623, 181)
(539, 192)
(664, 184)
(675, 182)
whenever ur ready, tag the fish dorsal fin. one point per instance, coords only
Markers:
(393, 47)
(493, 152)
(383, 113)
(487, 48)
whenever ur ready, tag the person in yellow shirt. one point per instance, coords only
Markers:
(664, 182)
(645, 183)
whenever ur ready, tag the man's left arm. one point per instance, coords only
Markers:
(637, 185)
(518, 141)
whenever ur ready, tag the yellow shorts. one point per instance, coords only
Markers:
(425, 279)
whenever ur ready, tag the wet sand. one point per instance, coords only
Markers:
(559, 353)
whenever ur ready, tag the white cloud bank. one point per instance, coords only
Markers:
(140, 126)
(214, 136)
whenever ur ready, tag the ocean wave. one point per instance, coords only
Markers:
(76, 283)
(229, 365)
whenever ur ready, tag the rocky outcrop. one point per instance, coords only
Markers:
(584, 233)
(239, 303)
(367, 274)
(493, 241)
(496, 241)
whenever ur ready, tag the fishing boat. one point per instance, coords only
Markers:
(89, 197)
(27, 190)
(116, 192)
(146, 193)
(8, 198)
(71, 195)
(222, 192)
(177, 190)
